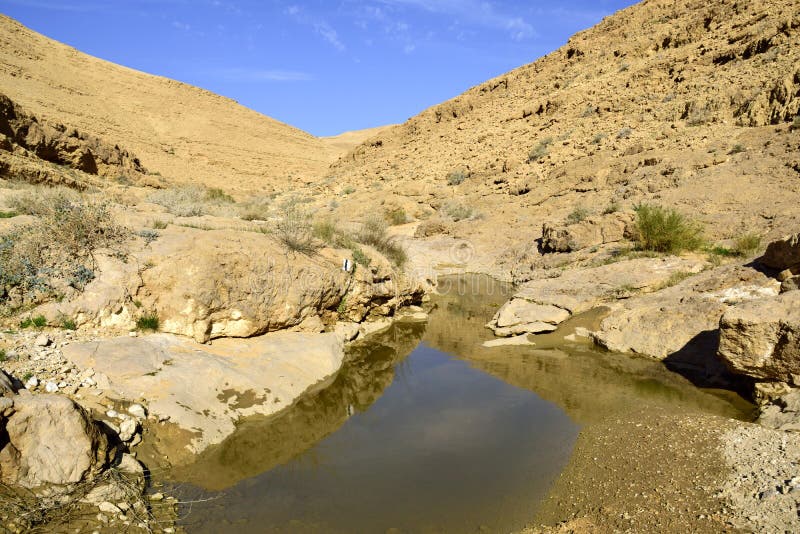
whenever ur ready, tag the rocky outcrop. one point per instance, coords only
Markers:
(783, 253)
(25, 140)
(540, 305)
(203, 390)
(783, 413)
(683, 318)
(592, 232)
(207, 284)
(761, 339)
(49, 439)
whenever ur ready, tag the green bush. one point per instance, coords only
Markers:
(3, 355)
(159, 225)
(577, 215)
(613, 207)
(665, 230)
(67, 323)
(148, 322)
(7, 214)
(39, 321)
(360, 258)
(325, 230)
(373, 233)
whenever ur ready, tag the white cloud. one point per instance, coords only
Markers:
(264, 75)
(319, 25)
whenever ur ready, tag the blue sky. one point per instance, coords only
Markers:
(323, 66)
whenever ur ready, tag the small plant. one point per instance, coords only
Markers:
(589, 111)
(598, 138)
(373, 233)
(625, 133)
(8, 214)
(540, 150)
(215, 194)
(360, 258)
(795, 124)
(675, 278)
(577, 215)
(665, 230)
(67, 323)
(39, 321)
(137, 303)
(81, 276)
(3, 355)
(294, 231)
(148, 322)
(186, 201)
(613, 207)
(324, 230)
(148, 235)
(457, 176)
(342, 307)
(747, 244)
(737, 149)
(349, 190)
(27, 376)
(158, 225)
(255, 209)
(396, 216)
(457, 211)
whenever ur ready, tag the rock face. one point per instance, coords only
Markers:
(684, 317)
(762, 338)
(783, 253)
(25, 141)
(50, 440)
(203, 390)
(591, 232)
(540, 305)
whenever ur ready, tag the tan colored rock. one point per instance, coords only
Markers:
(203, 390)
(591, 232)
(762, 338)
(783, 253)
(51, 440)
(519, 316)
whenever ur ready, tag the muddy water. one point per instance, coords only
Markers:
(426, 430)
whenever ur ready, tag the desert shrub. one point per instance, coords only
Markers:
(613, 207)
(737, 149)
(540, 150)
(625, 133)
(39, 260)
(458, 211)
(186, 201)
(373, 233)
(396, 216)
(3, 355)
(255, 209)
(158, 225)
(665, 230)
(148, 235)
(7, 214)
(747, 244)
(598, 138)
(215, 194)
(38, 321)
(457, 176)
(577, 215)
(294, 230)
(360, 258)
(148, 322)
(325, 230)
(67, 323)
(348, 190)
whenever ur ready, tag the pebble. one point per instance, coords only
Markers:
(137, 410)
(51, 387)
(108, 508)
(42, 340)
(113, 414)
(157, 497)
(32, 383)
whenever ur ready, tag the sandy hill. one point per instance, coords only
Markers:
(179, 132)
(687, 104)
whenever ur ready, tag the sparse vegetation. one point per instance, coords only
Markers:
(613, 207)
(349, 190)
(149, 322)
(360, 258)
(148, 235)
(159, 225)
(665, 230)
(598, 138)
(8, 214)
(795, 124)
(255, 209)
(396, 216)
(325, 230)
(625, 133)
(577, 215)
(457, 176)
(215, 194)
(736, 150)
(747, 244)
(373, 233)
(67, 323)
(294, 230)
(675, 278)
(187, 201)
(540, 150)
(458, 211)
(39, 321)
(3, 355)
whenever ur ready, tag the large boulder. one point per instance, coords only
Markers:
(519, 316)
(783, 254)
(761, 339)
(49, 439)
(591, 232)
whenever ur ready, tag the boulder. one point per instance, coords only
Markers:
(519, 316)
(761, 339)
(50, 440)
(783, 413)
(783, 253)
(594, 231)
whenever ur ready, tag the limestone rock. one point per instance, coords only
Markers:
(783, 414)
(783, 253)
(51, 440)
(591, 232)
(762, 338)
(519, 316)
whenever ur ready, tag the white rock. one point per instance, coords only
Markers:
(127, 429)
(51, 387)
(112, 413)
(133, 334)
(108, 508)
(137, 410)
(42, 340)
(32, 383)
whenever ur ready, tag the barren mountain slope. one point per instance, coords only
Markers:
(181, 132)
(678, 103)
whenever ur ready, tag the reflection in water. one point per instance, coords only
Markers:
(453, 437)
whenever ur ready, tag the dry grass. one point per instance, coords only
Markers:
(666, 230)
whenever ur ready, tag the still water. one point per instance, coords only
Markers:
(426, 430)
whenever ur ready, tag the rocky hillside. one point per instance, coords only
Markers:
(181, 133)
(688, 104)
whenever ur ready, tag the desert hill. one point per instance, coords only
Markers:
(181, 133)
(680, 103)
